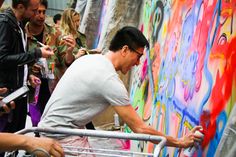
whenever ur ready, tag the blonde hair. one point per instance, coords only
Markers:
(67, 23)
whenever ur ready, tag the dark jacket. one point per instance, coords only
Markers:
(12, 53)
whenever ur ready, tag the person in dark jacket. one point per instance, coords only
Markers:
(14, 59)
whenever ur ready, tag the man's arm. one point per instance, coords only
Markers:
(8, 58)
(10, 142)
(131, 118)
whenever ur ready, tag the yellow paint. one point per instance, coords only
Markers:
(188, 125)
(164, 32)
(217, 55)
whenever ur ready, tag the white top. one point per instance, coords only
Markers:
(86, 89)
(24, 42)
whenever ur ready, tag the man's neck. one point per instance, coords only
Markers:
(35, 29)
(113, 57)
(17, 14)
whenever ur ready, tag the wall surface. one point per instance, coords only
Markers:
(90, 11)
(188, 77)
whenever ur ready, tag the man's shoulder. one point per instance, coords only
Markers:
(4, 17)
(8, 15)
(98, 62)
(8, 19)
(7, 24)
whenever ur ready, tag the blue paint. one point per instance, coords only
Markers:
(221, 119)
(209, 45)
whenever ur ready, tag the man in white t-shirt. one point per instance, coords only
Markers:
(91, 84)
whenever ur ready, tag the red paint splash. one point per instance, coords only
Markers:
(221, 93)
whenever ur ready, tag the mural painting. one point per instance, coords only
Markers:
(188, 76)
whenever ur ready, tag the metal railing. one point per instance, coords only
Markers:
(101, 134)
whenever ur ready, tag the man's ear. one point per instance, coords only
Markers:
(124, 50)
(21, 8)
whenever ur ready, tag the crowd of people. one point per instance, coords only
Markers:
(57, 60)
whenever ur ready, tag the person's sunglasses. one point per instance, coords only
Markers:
(137, 52)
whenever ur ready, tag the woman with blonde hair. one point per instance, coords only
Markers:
(69, 25)
(70, 21)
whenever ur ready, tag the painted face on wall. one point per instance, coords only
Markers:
(39, 19)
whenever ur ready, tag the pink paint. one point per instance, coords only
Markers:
(144, 70)
(148, 106)
(126, 144)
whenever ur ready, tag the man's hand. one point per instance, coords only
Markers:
(6, 108)
(3, 90)
(34, 81)
(36, 68)
(46, 51)
(190, 139)
(49, 145)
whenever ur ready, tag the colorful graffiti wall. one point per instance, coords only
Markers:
(188, 77)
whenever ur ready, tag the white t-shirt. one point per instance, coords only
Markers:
(86, 89)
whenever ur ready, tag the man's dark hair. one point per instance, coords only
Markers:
(56, 18)
(44, 3)
(130, 36)
(24, 2)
